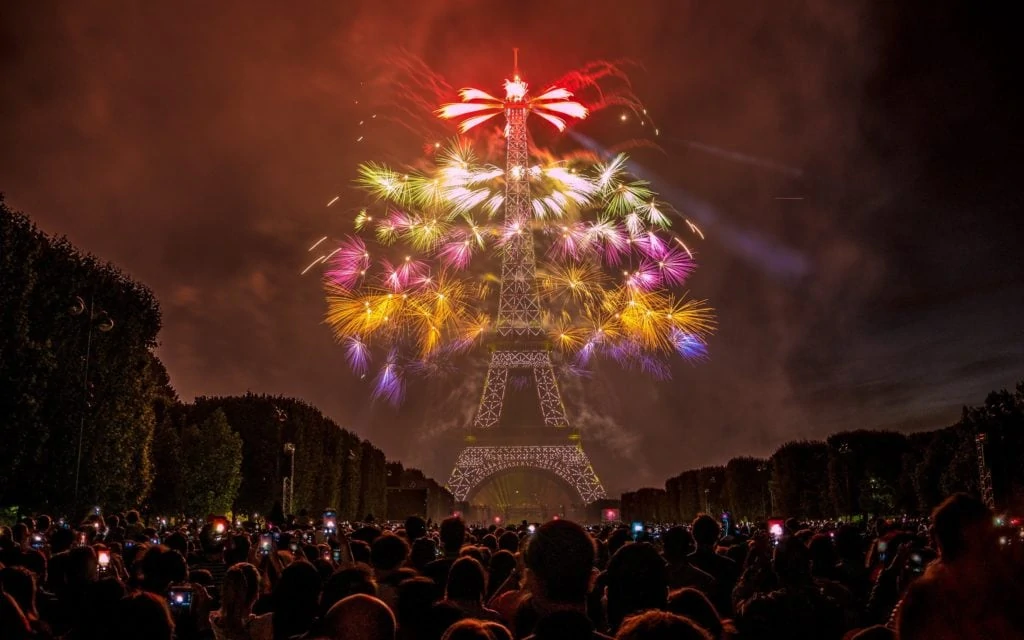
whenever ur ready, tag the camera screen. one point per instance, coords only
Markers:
(180, 598)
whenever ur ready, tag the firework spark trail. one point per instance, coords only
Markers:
(780, 261)
(411, 289)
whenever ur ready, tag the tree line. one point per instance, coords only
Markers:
(855, 473)
(77, 340)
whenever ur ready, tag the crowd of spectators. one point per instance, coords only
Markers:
(116, 576)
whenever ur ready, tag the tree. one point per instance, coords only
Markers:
(800, 479)
(211, 466)
(711, 489)
(167, 495)
(46, 401)
(864, 470)
(746, 488)
(689, 503)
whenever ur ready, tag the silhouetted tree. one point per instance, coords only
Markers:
(746, 488)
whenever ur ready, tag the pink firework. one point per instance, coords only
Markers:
(553, 105)
(349, 263)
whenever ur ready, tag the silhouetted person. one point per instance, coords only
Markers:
(660, 625)
(235, 620)
(559, 563)
(637, 580)
(691, 603)
(415, 598)
(467, 582)
(677, 544)
(453, 536)
(360, 617)
(296, 600)
(388, 553)
(143, 615)
(794, 607)
(415, 528)
(971, 591)
(706, 531)
(503, 564)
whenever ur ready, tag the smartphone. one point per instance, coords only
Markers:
(336, 555)
(266, 544)
(83, 539)
(220, 527)
(103, 559)
(96, 510)
(330, 521)
(327, 556)
(180, 598)
(129, 544)
(294, 546)
(916, 564)
(638, 528)
(776, 529)
(38, 541)
(154, 540)
(532, 528)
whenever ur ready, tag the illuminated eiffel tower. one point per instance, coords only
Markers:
(520, 349)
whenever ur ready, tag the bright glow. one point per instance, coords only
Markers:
(421, 279)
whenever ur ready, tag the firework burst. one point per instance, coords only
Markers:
(414, 285)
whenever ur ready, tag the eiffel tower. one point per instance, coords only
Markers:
(520, 348)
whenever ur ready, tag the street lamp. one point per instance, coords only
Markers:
(101, 320)
(289, 449)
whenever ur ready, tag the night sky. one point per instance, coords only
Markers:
(856, 168)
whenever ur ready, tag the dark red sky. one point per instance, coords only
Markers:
(195, 145)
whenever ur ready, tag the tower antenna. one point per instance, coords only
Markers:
(515, 61)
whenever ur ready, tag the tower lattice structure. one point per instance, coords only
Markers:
(520, 346)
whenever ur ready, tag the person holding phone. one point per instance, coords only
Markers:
(234, 619)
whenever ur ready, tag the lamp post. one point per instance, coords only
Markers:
(289, 448)
(101, 320)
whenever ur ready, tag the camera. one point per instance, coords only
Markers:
(532, 528)
(103, 558)
(180, 598)
(38, 541)
(336, 555)
(330, 521)
(266, 544)
(154, 540)
(294, 546)
(129, 544)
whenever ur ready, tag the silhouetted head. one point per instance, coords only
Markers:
(960, 523)
(415, 597)
(637, 581)
(143, 615)
(660, 625)
(693, 604)
(466, 580)
(509, 541)
(388, 552)
(424, 551)
(296, 599)
(706, 530)
(560, 557)
(677, 544)
(415, 528)
(360, 616)
(350, 579)
(453, 534)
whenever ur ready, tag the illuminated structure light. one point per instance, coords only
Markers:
(569, 462)
(519, 320)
